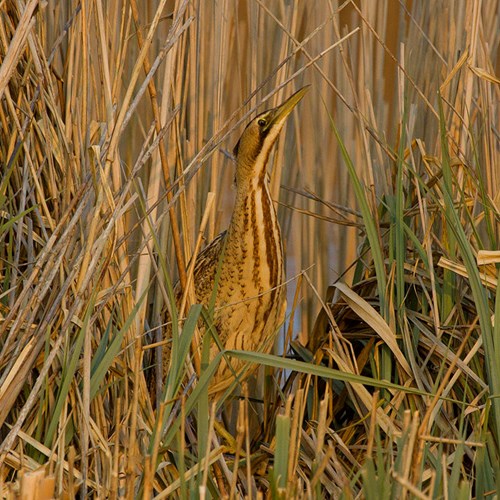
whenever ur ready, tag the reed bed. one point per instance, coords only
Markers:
(116, 119)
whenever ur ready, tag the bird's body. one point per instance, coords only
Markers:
(250, 301)
(250, 296)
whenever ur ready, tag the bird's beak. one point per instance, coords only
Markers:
(281, 112)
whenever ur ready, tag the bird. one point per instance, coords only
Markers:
(245, 263)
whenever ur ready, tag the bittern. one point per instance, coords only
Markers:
(250, 290)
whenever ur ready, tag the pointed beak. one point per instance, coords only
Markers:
(281, 112)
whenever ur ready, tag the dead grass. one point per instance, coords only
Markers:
(114, 123)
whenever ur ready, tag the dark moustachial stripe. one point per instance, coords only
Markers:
(254, 231)
(272, 235)
(271, 231)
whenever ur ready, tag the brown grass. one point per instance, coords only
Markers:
(115, 120)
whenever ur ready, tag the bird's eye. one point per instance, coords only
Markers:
(262, 122)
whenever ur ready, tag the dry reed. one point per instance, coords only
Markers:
(115, 120)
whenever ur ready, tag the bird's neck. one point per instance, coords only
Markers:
(254, 209)
(254, 238)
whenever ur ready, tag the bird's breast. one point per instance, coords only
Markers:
(252, 275)
(254, 251)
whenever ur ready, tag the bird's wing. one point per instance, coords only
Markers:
(206, 268)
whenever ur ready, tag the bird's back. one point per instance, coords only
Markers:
(205, 269)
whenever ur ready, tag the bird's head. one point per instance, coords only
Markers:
(253, 148)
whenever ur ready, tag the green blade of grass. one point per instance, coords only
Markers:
(68, 373)
(281, 457)
(479, 292)
(193, 398)
(102, 363)
(317, 370)
(369, 222)
(12, 220)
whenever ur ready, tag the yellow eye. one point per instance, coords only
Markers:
(262, 122)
